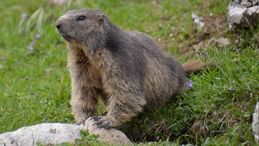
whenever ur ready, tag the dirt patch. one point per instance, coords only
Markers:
(212, 33)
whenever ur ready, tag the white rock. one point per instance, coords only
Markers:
(46, 133)
(198, 21)
(57, 133)
(235, 14)
(110, 136)
(255, 124)
(246, 3)
(242, 13)
(255, 2)
(253, 10)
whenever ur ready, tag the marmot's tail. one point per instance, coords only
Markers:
(195, 66)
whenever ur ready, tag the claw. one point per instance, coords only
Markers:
(103, 124)
(96, 118)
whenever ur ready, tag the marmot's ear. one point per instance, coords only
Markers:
(101, 18)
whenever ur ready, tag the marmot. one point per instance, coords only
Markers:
(126, 69)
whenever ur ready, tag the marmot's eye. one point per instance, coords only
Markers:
(80, 18)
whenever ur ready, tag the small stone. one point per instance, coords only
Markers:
(31, 46)
(37, 36)
(246, 3)
(198, 21)
(235, 16)
(221, 42)
(255, 124)
(253, 10)
(255, 2)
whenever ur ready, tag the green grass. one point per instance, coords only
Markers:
(35, 85)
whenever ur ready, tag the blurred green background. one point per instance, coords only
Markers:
(35, 84)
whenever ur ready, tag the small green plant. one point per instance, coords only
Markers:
(87, 139)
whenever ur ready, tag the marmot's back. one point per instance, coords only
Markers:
(164, 76)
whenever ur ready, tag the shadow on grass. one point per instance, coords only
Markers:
(178, 122)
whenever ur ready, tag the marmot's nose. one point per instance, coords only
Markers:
(58, 26)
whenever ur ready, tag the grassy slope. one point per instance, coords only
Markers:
(35, 86)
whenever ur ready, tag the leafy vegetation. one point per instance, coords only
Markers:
(35, 84)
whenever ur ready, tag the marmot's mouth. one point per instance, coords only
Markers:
(66, 36)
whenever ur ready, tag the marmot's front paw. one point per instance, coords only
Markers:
(105, 122)
(81, 120)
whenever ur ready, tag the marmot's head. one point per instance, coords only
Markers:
(84, 27)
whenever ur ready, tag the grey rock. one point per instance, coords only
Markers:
(45, 133)
(243, 13)
(198, 21)
(57, 133)
(246, 3)
(110, 136)
(221, 42)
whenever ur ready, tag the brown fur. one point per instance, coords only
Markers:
(127, 69)
(195, 66)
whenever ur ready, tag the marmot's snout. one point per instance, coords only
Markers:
(58, 26)
(61, 29)
(59, 23)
